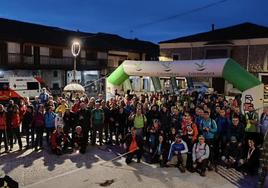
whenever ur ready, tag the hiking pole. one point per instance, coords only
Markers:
(6, 137)
(117, 157)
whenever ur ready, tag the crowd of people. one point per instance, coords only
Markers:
(191, 131)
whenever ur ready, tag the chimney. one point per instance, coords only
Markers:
(212, 27)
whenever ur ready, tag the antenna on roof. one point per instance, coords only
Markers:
(212, 27)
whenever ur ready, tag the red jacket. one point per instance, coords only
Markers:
(15, 121)
(57, 138)
(3, 122)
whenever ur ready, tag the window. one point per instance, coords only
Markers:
(91, 55)
(32, 85)
(55, 74)
(4, 86)
(27, 50)
(56, 52)
(216, 53)
(176, 57)
(55, 86)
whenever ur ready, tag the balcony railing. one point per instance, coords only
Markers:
(21, 61)
(64, 61)
(16, 59)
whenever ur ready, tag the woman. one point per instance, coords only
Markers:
(39, 125)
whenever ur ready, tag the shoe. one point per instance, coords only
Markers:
(203, 174)
(138, 161)
(10, 149)
(210, 168)
(181, 168)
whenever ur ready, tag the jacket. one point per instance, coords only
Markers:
(211, 124)
(3, 122)
(15, 121)
(50, 119)
(179, 147)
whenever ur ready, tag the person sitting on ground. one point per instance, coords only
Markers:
(133, 145)
(59, 141)
(161, 152)
(79, 141)
(200, 156)
(250, 161)
(178, 149)
(232, 153)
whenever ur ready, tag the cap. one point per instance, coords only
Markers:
(233, 139)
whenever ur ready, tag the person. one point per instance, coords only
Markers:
(209, 129)
(237, 129)
(232, 153)
(165, 118)
(133, 144)
(251, 129)
(83, 116)
(39, 125)
(44, 96)
(120, 124)
(200, 155)
(139, 121)
(62, 107)
(97, 123)
(70, 121)
(250, 161)
(178, 149)
(15, 124)
(161, 152)
(59, 119)
(59, 141)
(49, 123)
(153, 132)
(79, 141)
(264, 123)
(3, 128)
(27, 126)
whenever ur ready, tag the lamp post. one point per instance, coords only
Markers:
(75, 51)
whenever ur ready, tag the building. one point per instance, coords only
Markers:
(28, 49)
(246, 43)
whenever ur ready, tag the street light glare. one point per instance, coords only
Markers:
(76, 47)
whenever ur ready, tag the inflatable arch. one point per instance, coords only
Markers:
(248, 84)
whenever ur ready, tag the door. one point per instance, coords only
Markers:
(3, 53)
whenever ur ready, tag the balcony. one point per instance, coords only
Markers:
(18, 61)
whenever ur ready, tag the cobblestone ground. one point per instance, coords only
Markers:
(43, 169)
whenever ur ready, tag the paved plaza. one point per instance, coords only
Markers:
(43, 169)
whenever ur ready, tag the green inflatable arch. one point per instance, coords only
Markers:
(226, 68)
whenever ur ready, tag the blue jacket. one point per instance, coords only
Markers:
(211, 124)
(50, 120)
(179, 147)
(223, 125)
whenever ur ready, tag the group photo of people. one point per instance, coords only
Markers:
(190, 131)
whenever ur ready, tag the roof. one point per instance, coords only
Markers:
(18, 31)
(240, 31)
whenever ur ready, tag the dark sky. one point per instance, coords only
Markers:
(128, 18)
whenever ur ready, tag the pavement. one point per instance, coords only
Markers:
(94, 169)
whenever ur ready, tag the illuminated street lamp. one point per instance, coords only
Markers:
(75, 51)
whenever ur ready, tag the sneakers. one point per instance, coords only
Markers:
(181, 168)
(203, 174)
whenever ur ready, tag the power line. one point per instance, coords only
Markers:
(178, 15)
(162, 19)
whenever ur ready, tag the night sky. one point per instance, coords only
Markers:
(137, 18)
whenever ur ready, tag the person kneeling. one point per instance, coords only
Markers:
(200, 156)
(160, 155)
(178, 149)
(79, 141)
(133, 145)
(59, 141)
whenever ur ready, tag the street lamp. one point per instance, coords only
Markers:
(75, 51)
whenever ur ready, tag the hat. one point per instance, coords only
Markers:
(60, 126)
(178, 136)
(233, 139)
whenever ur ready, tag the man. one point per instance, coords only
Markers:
(251, 130)
(59, 141)
(200, 155)
(264, 123)
(83, 116)
(133, 145)
(97, 123)
(139, 121)
(232, 153)
(44, 96)
(209, 129)
(237, 130)
(179, 149)
(79, 142)
(3, 128)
